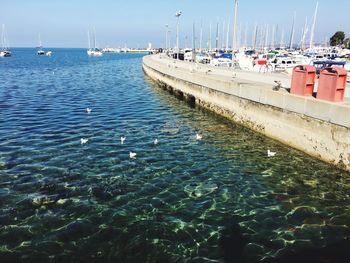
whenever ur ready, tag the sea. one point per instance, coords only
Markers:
(218, 199)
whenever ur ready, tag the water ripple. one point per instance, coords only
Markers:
(182, 200)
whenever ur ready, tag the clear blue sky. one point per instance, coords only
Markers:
(64, 23)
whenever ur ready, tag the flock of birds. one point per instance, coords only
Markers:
(132, 155)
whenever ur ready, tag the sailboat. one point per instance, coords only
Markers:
(93, 51)
(5, 51)
(40, 51)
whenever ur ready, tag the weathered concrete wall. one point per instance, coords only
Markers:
(319, 128)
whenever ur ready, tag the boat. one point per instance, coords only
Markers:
(40, 51)
(5, 50)
(93, 51)
(282, 63)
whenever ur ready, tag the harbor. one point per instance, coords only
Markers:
(190, 131)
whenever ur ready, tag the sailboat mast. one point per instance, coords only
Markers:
(223, 35)
(292, 33)
(273, 37)
(227, 34)
(313, 27)
(303, 35)
(234, 30)
(255, 34)
(194, 42)
(210, 36)
(266, 46)
(3, 37)
(245, 35)
(40, 45)
(282, 39)
(89, 39)
(217, 37)
(201, 37)
(94, 39)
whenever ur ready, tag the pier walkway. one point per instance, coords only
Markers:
(319, 128)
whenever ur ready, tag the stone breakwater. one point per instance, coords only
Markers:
(318, 128)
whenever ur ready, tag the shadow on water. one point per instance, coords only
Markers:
(233, 244)
(335, 253)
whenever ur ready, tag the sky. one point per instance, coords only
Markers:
(135, 23)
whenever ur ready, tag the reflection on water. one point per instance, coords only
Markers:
(214, 200)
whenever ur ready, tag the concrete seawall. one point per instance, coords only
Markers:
(318, 128)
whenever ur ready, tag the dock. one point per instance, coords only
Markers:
(318, 128)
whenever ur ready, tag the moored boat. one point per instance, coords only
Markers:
(5, 50)
(93, 51)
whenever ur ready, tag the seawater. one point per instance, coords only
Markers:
(219, 199)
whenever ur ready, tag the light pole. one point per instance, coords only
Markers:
(166, 37)
(169, 39)
(234, 30)
(178, 14)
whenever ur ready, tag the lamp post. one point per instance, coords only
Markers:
(169, 39)
(166, 36)
(234, 30)
(178, 14)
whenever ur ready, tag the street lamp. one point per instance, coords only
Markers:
(177, 14)
(166, 36)
(234, 30)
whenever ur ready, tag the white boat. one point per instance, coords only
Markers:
(93, 51)
(283, 63)
(40, 51)
(5, 50)
(221, 62)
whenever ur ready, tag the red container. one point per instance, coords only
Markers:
(261, 62)
(303, 80)
(332, 83)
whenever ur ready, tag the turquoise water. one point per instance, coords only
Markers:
(220, 199)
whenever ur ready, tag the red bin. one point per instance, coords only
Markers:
(303, 80)
(332, 83)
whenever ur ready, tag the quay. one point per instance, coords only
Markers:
(316, 127)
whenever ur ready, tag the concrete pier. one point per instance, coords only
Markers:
(318, 128)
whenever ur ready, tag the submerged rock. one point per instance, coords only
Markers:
(105, 193)
(42, 200)
(201, 189)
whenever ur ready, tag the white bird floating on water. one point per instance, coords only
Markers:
(270, 154)
(122, 139)
(88, 110)
(155, 142)
(83, 140)
(132, 155)
(199, 137)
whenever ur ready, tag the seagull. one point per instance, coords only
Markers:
(199, 137)
(132, 155)
(83, 140)
(122, 139)
(270, 154)
(278, 85)
(88, 110)
(155, 141)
